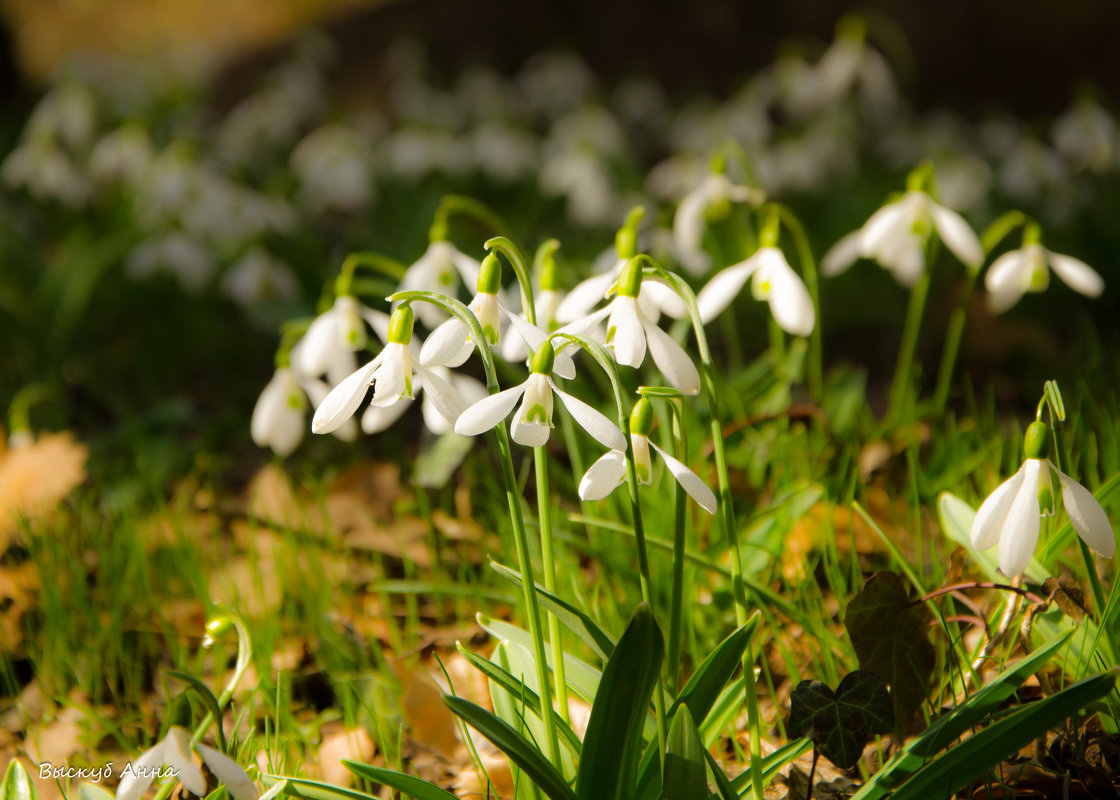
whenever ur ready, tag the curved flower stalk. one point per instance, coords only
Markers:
(390, 375)
(772, 280)
(532, 421)
(1011, 515)
(630, 333)
(609, 472)
(655, 298)
(896, 234)
(710, 201)
(1027, 269)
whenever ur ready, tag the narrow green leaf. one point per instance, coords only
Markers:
(704, 687)
(583, 679)
(506, 739)
(413, 787)
(520, 692)
(685, 775)
(614, 731)
(945, 731)
(575, 620)
(975, 756)
(771, 764)
(316, 790)
(16, 784)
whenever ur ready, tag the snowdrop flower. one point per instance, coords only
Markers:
(439, 270)
(630, 332)
(334, 166)
(711, 200)
(258, 275)
(895, 234)
(278, 417)
(532, 421)
(773, 280)
(1010, 517)
(174, 751)
(606, 474)
(655, 298)
(1017, 272)
(121, 156)
(1086, 136)
(390, 375)
(342, 327)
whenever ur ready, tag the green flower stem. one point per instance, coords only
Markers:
(599, 353)
(467, 206)
(517, 261)
(19, 411)
(513, 500)
(812, 283)
(680, 499)
(381, 264)
(727, 514)
(544, 515)
(904, 367)
(952, 347)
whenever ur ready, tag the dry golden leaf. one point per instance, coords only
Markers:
(274, 501)
(376, 483)
(18, 585)
(431, 723)
(34, 479)
(353, 744)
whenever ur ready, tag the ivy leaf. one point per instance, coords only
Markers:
(841, 722)
(890, 637)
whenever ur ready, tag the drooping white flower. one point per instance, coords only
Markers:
(174, 751)
(378, 418)
(439, 270)
(606, 474)
(710, 200)
(277, 420)
(895, 234)
(1017, 272)
(630, 333)
(258, 275)
(532, 421)
(390, 375)
(1011, 515)
(341, 328)
(773, 280)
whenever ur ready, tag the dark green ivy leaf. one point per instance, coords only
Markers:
(841, 722)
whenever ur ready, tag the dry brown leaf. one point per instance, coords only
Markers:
(273, 500)
(376, 484)
(18, 585)
(431, 723)
(353, 744)
(34, 479)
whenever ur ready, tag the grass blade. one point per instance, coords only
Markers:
(413, 787)
(685, 775)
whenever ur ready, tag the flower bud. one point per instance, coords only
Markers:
(400, 325)
(1036, 442)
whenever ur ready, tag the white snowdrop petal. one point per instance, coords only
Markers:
(595, 423)
(378, 320)
(957, 235)
(488, 412)
(528, 434)
(689, 481)
(628, 342)
(586, 295)
(718, 293)
(313, 357)
(468, 268)
(136, 782)
(1077, 275)
(1019, 537)
(269, 410)
(442, 394)
(228, 772)
(842, 254)
(389, 381)
(988, 522)
(448, 345)
(1087, 516)
(688, 230)
(177, 755)
(905, 260)
(1010, 270)
(672, 360)
(790, 302)
(663, 298)
(604, 476)
(883, 226)
(343, 400)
